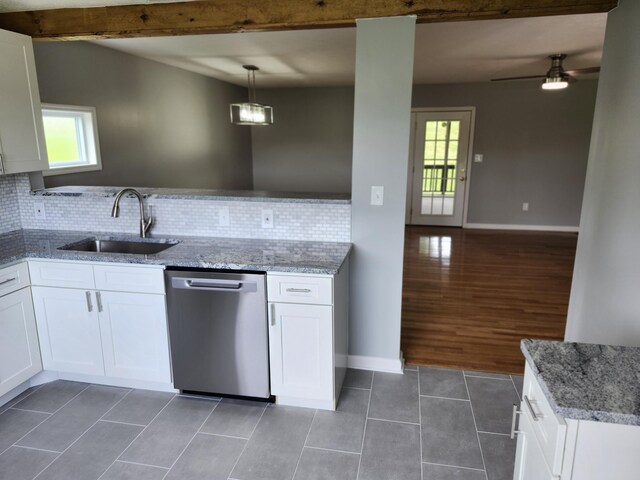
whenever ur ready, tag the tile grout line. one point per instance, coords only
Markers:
(136, 463)
(315, 412)
(392, 421)
(49, 415)
(454, 466)
(490, 378)
(247, 442)
(494, 433)
(122, 423)
(83, 433)
(27, 410)
(366, 420)
(36, 388)
(38, 449)
(136, 437)
(420, 419)
(473, 415)
(447, 398)
(191, 440)
(331, 450)
(222, 435)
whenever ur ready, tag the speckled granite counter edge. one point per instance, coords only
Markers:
(576, 413)
(196, 194)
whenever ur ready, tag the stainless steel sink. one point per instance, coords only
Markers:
(118, 246)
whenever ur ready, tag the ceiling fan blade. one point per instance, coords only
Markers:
(517, 78)
(582, 71)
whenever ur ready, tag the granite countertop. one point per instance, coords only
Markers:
(201, 194)
(584, 381)
(199, 252)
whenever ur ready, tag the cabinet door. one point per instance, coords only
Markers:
(68, 328)
(530, 462)
(21, 131)
(19, 351)
(301, 350)
(134, 336)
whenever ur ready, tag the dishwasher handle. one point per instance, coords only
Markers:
(213, 284)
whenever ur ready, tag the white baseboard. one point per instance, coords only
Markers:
(378, 364)
(50, 375)
(535, 228)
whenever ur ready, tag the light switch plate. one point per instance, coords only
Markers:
(267, 218)
(223, 217)
(39, 211)
(478, 158)
(377, 195)
(525, 207)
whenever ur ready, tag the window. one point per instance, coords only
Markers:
(71, 135)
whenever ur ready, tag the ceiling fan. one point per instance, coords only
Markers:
(556, 77)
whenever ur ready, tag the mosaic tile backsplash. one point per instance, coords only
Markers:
(9, 211)
(292, 221)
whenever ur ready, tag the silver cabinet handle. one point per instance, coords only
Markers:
(298, 290)
(8, 280)
(514, 416)
(272, 312)
(533, 413)
(99, 300)
(89, 304)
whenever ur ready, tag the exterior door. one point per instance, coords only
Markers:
(440, 156)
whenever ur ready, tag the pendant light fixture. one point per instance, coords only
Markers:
(251, 112)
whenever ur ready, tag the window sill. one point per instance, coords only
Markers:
(67, 170)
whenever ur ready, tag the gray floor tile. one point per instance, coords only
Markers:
(139, 407)
(93, 453)
(165, 438)
(66, 425)
(410, 366)
(492, 402)
(391, 451)
(17, 399)
(274, 448)
(208, 457)
(14, 424)
(499, 455)
(475, 373)
(324, 465)
(395, 397)
(236, 418)
(50, 397)
(24, 463)
(440, 472)
(518, 381)
(449, 434)
(132, 471)
(442, 382)
(342, 429)
(358, 378)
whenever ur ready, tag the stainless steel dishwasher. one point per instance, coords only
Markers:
(218, 332)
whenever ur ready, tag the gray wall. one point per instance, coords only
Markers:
(384, 68)
(309, 147)
(535, 147)
(605, 306)
(159, 126)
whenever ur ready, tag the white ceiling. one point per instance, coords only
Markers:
(445, 52)
(456, 52)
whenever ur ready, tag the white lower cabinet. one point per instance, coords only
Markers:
(19, 352)
(134, 336)
(301, 350)
(530, 463)
(120, 336)
(69, 330)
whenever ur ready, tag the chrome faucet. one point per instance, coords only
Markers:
(145, 223)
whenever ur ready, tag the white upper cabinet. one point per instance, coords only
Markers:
(22, 146)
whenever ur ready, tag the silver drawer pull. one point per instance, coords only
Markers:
(8, 280)
(273, 314)
(99, 300)
(298, 290)
(89, 304)
(534, 415)
(514, 416)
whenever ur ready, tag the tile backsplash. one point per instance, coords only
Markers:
(9, 211)
(199, 217)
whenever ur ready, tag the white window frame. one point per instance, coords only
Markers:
(88, 136)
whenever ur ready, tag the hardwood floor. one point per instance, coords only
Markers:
(469, 296)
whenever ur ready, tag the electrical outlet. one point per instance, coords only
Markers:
(525, 207)
(377, 195)
(39, 211)
(478, 158)
(223, 217)
(267, 218)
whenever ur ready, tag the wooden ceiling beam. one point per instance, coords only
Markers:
(225, 16)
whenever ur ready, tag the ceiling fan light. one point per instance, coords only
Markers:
(555, 83)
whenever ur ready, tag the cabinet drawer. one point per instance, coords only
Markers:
(14, 278)
(59, 274)
(292, 289)
(550, 429)
(129, 279)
